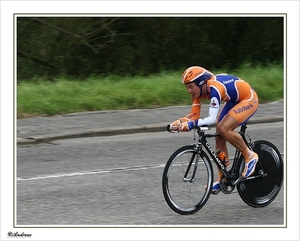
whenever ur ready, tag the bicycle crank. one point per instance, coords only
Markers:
(261, 173)
(226, 187)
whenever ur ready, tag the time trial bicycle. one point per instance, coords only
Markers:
(188, 174)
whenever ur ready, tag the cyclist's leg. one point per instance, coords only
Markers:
(221, 145)
(240, 112)
(220, 140)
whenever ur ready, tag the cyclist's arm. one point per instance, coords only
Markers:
(214, 106)
(212, 114)
(195, 111)
(193, 115)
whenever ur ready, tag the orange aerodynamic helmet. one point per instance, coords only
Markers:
(196, 74)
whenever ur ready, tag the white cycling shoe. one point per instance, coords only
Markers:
(250, 166)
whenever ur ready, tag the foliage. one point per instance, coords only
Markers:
(52, 47)
(67, 95)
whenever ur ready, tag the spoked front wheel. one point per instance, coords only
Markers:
(187, 180)
(261, 191)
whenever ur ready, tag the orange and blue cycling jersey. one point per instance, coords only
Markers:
(241, 101)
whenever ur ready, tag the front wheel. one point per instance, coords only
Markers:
(261, 191)
(187, 180)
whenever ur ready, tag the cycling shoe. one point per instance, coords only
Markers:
(250, 166)
(215, 188)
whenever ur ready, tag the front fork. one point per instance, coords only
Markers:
(198, 148)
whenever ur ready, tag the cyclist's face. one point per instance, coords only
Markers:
(193, 89)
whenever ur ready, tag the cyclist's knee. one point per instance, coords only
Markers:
(222, 130)
(219, 138)
(227, 125)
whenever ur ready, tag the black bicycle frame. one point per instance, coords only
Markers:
(203, 142)
(211, 152)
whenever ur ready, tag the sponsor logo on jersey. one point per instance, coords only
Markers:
(228, 81)
(214, 102)
(243, 108)
(191, 115)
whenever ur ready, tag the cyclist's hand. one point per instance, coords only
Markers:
(178, 125)
(184, 127)
(175, 125)
(187, 126)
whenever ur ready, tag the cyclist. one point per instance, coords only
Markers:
(241, 102)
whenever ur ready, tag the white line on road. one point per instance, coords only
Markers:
(90, 172)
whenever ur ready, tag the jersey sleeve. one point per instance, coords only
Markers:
(195, 111)
(212, 113)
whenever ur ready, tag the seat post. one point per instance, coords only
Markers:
(243, 128)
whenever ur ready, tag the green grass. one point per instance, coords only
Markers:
(267, 81)
(63, 95)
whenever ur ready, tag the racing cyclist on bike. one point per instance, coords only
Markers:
(241, 102)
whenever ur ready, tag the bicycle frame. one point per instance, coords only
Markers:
(231, 175)
(202, 142)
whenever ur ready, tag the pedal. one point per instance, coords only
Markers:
(262, 173)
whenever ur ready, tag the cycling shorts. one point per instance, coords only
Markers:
(242, 110)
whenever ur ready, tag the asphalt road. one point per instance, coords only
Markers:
(116, 180)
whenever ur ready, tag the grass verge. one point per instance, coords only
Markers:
(43, 97)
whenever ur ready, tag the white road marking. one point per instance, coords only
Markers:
(90, 172)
